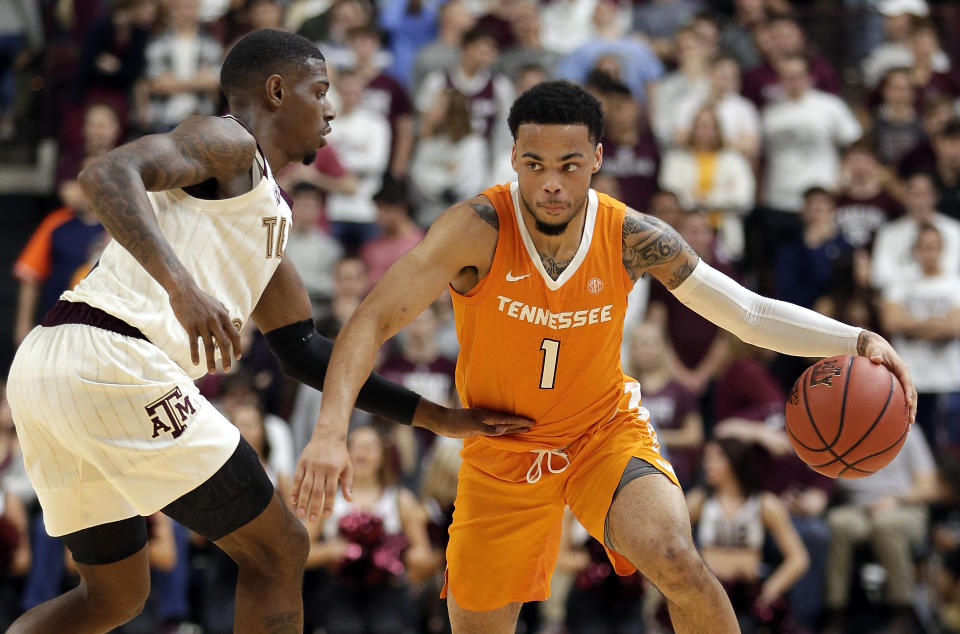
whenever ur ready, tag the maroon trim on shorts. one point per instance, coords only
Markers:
(64, 312)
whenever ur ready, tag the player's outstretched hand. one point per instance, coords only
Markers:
(205, 318)
(877, 349)
(323, 463)
(466, 423)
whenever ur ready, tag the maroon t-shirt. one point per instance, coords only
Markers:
(762, 84)
(859, 220)
(635, 169)
(747, 390)
(689, 333)
(668, 408)
(385, 95)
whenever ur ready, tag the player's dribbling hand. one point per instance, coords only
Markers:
(877, 349)
(323, 463)
(467, 423)
(205, 318)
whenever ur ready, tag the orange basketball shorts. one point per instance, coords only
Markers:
(506, 530)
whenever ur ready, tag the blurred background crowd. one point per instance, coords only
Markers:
(810, 149)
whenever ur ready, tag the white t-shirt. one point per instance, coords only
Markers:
(893, 250)
(737, 115)
(801, 139)
(361, 139)
(673, 89)
(934, 365)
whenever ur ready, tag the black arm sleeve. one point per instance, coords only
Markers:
(304, 355)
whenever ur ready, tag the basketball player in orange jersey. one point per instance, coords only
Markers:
(110, 421)
(539, 271)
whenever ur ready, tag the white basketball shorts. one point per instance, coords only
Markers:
(110, 426)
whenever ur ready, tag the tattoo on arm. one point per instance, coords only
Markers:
(117, 183)
(862, 342)
(487, 213)
(649, 242)
(282, 623)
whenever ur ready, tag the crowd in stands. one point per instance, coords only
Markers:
(810, 150)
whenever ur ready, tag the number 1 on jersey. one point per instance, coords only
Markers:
(551, 349)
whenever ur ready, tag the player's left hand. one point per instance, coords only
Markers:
(323, 464)
(877, 349)
(467, 423)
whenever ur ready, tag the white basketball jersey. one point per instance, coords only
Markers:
(231, 247)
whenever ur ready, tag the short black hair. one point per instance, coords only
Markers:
(478, 32)
(262, 53)
(816, 190)
(557, 102)
(951, 130)
(603, 83)
(393, 191)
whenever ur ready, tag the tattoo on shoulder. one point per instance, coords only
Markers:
(487, 213)
(650, 242)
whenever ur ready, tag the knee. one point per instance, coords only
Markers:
(676, 568)
(118, 607)
(284, 552)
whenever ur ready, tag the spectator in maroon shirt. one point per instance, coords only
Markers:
(384, 94)
(946, 176)
(784, 39)
(112, 59)
(928, 82)
(937, 111)
(672, 406)
(699, 347)
(629, 148)
(864, 202)
(897, 126)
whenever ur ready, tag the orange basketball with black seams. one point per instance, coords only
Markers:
(847, 417)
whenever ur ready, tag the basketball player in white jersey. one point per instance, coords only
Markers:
(112, 426)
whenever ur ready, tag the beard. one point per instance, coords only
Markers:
(310, 157)
(546, 228)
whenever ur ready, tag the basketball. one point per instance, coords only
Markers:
(847, 417)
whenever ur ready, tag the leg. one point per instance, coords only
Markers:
(806, 596)
(500, 621)
(239, 511)
(848, 527)
(649, 524)
(894, 533)
(110, 593)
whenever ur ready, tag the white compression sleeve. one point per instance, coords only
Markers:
(761, 321)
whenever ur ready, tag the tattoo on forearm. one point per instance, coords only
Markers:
(282, 623)
(649, 242)
(552, 267)
(862, 342)
(192, 154)
(487, 213)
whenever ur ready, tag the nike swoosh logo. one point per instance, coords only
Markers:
(511, 278)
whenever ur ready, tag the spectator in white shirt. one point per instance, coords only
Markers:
(490, 93)
(361, 138)
(690, 81)
(183, 68)
(450, 159)
(803, 136)
(895, 51)
(709, 177)
(739, 119)
(893, 248)
(922, 316)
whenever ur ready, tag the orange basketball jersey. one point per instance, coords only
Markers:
(548, 350)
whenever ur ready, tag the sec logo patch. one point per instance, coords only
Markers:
(595, 285)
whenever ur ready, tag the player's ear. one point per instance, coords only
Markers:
(513, 158)
(597, 158)
(274, 90)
